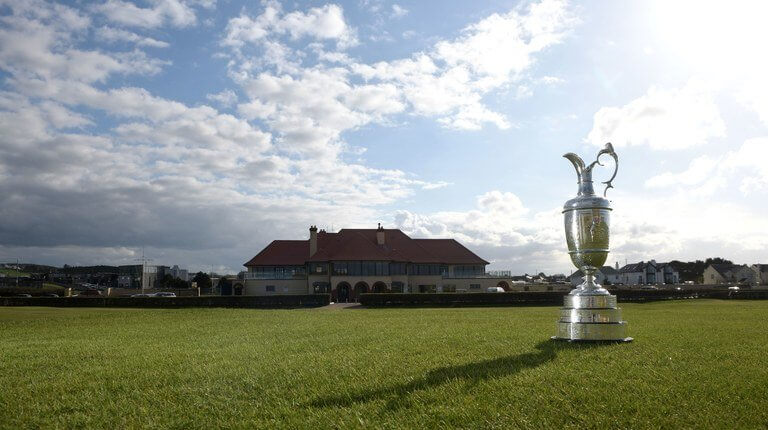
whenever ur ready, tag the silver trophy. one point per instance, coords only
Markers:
(590, 311)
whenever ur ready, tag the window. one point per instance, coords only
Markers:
(427, 288)
(339, 268)
(449, 288)
(270, 288)
(361, 268)
(398, 269)
(397, 287)
(278, 272)
(468, 271)
(474, 286)
(382, 268)
(318, 268)
(424, 269)
(322, 287)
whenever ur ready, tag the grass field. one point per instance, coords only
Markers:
(11, 273)
(694, 364)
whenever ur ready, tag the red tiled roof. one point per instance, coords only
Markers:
(450, 250)
(282, 252)
(361, 244)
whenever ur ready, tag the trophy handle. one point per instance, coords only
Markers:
(609, 150)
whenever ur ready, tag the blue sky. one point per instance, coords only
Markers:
(201, 130)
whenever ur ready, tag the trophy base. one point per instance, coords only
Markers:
(625, 340)
(591, 318)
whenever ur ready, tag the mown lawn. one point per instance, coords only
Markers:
(694, 364)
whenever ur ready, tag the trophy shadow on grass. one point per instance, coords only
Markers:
(471, 373)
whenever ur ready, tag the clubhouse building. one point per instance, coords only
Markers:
(356, 261)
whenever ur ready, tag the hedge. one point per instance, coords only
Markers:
(264, 302)
(463, 299)
(34, 291)
(544, 298)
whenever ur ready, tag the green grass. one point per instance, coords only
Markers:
(694, 364)
(12, 273)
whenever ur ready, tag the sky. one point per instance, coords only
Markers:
(198, 131)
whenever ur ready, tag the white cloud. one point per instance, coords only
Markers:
(111, 34)
(706, 175)
(551, 80)
(177, 13)
(451, 80)
(321, 23)
(41, 45)
(500, 229)
(226, 98)
(699, 171)
(661, 119)
(398, 11)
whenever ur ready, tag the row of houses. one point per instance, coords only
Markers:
(756, 274)
(642, 273)
(653, 273)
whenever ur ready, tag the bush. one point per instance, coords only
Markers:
(35, 292)
(463, 299)
(265, 302)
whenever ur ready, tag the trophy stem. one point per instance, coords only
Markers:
(589, 287)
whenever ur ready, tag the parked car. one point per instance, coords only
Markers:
(142, 295)
(494, 290)
(165, 294)
(23, 295)
(51, 295)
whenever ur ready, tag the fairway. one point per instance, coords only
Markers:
(694, 364)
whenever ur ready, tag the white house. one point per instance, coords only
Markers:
(606, 276)
(651, 272)
(761, 273)
(729, 274)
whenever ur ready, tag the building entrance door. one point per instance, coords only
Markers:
(342, 292)
(360, 288)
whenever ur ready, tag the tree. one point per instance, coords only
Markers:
(693, 271)
(224, 283)
(166, 281)
(203, 280)
(179, 284)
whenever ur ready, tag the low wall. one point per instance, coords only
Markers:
(547, 297)
(264, 302)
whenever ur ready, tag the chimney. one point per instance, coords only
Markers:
(312, 240)
(617, 265)
(380, 235)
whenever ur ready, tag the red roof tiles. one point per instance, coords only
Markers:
(361, 244)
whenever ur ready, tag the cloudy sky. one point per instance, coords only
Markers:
(201, 130)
